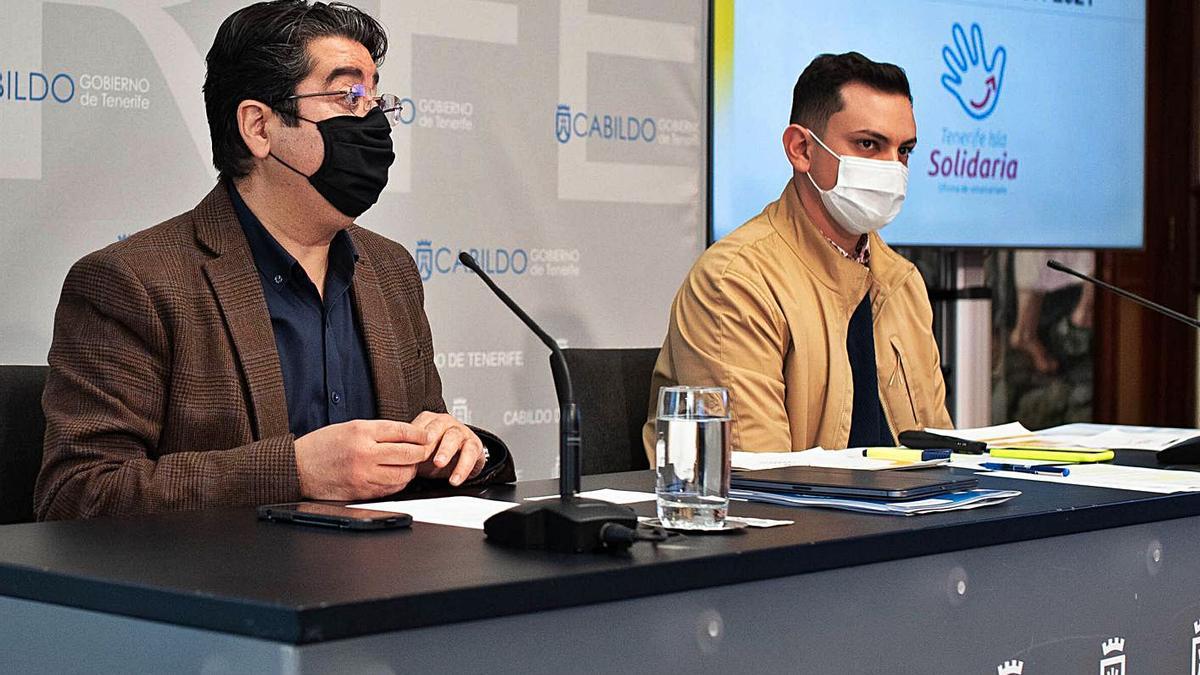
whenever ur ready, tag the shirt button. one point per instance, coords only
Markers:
(279, 278)
(336, 397)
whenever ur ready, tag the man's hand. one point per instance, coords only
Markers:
(454, 450)
(360, 459)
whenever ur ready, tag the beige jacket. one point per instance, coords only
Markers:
(765, 312)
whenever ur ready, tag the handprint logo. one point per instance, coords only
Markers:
(973, 78)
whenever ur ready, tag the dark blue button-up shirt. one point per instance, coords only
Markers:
(326, 375)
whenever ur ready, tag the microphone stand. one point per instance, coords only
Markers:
(1186, 452)
(1165, 311)
(571, 523)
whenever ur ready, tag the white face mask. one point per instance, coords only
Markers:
(868, 194)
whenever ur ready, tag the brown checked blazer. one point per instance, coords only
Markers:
(165, 389)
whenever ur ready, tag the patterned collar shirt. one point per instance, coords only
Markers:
(862, 250)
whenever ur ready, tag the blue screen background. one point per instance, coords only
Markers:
(1069, 110)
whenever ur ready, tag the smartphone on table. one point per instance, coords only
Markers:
(333, 515)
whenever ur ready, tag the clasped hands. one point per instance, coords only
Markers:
(365, 459)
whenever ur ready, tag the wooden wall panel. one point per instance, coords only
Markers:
(1146, 364)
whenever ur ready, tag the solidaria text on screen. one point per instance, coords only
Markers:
(964, 164)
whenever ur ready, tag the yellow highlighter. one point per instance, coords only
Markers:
(1053, 454)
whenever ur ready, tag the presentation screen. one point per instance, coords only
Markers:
(1030, 113)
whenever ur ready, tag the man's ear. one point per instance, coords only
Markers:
(252, 119)
(797, 148)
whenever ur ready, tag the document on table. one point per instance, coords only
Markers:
(608, 495)
(850, 458)
(1163, 481)
(1013, 431)
(1121, 436)
(456, 511)
(752, 461)
(1014, 435)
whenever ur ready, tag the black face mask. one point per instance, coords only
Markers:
(358, 153)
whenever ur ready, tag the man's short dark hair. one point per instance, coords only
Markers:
(261, 53)
(818, 92)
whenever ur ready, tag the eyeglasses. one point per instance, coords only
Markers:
(359, 102)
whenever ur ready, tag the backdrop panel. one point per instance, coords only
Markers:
(560, 141)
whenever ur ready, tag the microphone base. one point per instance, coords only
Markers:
(566, 525)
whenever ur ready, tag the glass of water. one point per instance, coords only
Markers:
(693, 456)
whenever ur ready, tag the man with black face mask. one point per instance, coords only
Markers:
(260, 347)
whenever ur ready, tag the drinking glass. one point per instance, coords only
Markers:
(692, 425)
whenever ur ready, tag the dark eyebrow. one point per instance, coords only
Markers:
(881, 138)
(352, 71)
(873, 134)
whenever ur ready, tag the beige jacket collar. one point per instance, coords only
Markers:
(888, 269)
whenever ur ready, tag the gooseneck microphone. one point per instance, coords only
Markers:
(570, 444)
(1165, 311)
(1187, 452)
(571, 523)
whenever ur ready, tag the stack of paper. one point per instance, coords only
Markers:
(952, 501)
(1124, 437)
(1078, 435)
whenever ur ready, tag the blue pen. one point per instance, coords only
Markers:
(1023, 468)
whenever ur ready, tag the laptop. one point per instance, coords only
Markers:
(886, 485)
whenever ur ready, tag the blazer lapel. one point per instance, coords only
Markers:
(234, 280)
(379, 334)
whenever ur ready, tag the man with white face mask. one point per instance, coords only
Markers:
(821, 332)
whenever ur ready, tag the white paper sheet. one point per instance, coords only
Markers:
(456, 511)
(752, 461)
(760, 522)
(749, 522)
(1007, 432)
(608, 495)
